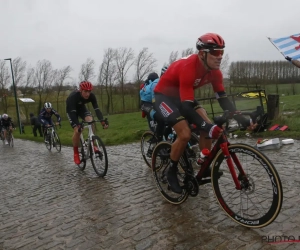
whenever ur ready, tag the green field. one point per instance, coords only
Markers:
(127, 128)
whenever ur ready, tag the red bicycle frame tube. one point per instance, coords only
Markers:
(223, 144)
(227, 156)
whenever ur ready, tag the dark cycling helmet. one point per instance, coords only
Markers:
(48, 105)
(210, 41)
(163, 70)
(152, 76)
(85, 85)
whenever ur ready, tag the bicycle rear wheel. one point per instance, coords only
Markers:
(148, 142)
(259, 201)
(160, 164)
(56, 141)
(98, 156)
(81, 150)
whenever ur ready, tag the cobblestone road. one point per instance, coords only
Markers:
(46, 202)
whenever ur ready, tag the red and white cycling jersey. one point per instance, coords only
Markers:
(185, 75)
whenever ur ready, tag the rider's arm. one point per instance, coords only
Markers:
(96, 107)
(12, 124)
(295, 62)
(226, 104)
(192, 116)
(57, 115)
(41, 117)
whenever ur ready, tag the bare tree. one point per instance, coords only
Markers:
(87, 70)
(59, 76)
(173, 57)
(19, 68)
(107, 74)
(187, 52)
(4, 81)
(225, 65)
(124, 60)
(28, 83)
(44, 78)
(144, 62)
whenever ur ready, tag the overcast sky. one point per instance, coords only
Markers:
(67, 32)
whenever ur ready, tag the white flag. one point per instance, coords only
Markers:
(288, 46)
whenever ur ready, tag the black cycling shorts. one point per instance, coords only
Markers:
(82, 113)
(169, 108)
(146, 107)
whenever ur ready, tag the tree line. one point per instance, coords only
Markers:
(112, 81)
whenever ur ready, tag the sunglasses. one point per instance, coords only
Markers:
(215, 52)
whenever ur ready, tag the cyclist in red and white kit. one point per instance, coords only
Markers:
(175, 102)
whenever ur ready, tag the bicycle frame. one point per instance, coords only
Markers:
(89, 139)
(50, 130)
(222, 144)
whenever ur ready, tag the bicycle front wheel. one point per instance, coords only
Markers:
(98, 156)
(48, 143)
(259, 201)
(11, 141)
(56, 142)
(148, 142)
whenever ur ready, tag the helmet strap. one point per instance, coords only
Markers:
(205, 60)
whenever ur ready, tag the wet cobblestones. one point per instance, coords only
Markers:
(46, 202)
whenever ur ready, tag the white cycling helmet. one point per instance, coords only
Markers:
(4, 116)
(48, 105)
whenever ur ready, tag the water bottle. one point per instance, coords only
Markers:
(203, 155)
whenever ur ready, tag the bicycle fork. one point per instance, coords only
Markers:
(230, 159)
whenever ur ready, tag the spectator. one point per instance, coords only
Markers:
(295, 62)
(34, 121)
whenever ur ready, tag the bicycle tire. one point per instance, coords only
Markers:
(160, 165)
(98, 158)
(147, 146)
(81, 150)
(261, 208)
(56, 142)
(11, 140)
(48, 143)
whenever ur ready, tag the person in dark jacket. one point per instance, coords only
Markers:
(34, 121)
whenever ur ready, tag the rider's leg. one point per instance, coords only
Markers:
(4, 134)
(89, 118)
(183, 136)
(75, 138)
(75, 141)
(203, 141)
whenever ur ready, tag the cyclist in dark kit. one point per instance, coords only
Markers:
(76, 107)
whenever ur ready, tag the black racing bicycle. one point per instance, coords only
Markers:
(249, 191)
